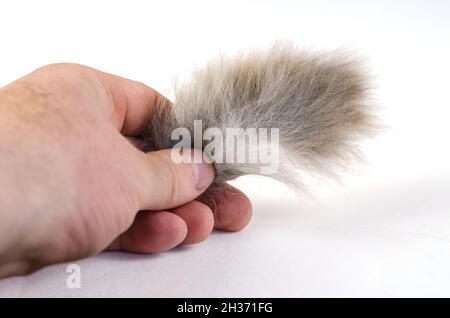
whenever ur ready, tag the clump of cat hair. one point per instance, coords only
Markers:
(320, 103)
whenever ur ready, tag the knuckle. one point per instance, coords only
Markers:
(58, 67)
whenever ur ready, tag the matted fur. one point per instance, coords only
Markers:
(319, 102)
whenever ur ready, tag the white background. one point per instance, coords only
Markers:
(385, 233)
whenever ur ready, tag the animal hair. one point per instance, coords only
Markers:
(319, 102)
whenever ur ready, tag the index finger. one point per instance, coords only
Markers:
(134, 102)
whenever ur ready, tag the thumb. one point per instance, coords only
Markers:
(165, 184)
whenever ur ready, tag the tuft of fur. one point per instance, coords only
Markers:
(319, 102)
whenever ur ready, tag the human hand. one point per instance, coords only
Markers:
(74, 184)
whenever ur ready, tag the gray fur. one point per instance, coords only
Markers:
(318, 101)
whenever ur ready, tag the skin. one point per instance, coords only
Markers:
(74, 184)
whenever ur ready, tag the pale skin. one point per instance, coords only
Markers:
(74, 184)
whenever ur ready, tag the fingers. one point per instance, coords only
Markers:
(152, 232)
(163, 184)
(133, 101)
(232, 209)
(199, 219)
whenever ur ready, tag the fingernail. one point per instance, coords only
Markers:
(204, 175)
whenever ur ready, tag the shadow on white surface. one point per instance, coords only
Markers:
(390, 241)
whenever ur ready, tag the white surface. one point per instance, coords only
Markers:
(387, 233)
